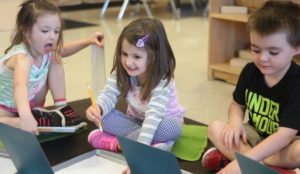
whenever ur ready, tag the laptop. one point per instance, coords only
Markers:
(144, 159)
(249, 166)
(25, 151)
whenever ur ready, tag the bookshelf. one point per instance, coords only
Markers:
(227, 35)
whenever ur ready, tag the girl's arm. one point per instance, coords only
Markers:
(21, 67)
(156, 111)
(75, 46)
(108, 97)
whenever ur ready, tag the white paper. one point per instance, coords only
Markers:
(94, 165)
(97, 69)
(7, 166)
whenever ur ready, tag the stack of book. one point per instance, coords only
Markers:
(245, 57)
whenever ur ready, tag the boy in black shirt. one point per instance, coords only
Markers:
(269, 89)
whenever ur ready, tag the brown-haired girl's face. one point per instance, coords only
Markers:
(134, 60)
(44, 34)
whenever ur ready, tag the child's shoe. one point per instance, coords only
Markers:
(47, 118)
(166, 146)
(102, 140)
(214, 160)
(60, 117)
(283, 170)
(71, 118)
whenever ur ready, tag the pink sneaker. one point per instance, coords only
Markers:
(283, 170)
(102, 140)
(214, 160)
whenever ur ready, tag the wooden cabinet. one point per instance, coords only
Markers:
(227, 35)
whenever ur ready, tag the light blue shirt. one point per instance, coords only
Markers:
(37, 77)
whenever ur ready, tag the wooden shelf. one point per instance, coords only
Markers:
(230, 17)
(225, 72)
(227, 35)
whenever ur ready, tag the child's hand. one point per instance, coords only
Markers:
(232, 133)
(93, 114)
(28, 123)
(98, 39)
(126, 171)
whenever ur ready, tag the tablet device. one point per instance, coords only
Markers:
(25, 151)
(249, 166)
(145, 159)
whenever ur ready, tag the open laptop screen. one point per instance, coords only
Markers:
(249, 166)
(25, 151)
(148, 160)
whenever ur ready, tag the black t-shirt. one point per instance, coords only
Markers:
(270, 107)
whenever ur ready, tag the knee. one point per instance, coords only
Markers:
(214, 129)
(11, 121)
(295, 156)
(113, 119)
(107, 118)
(175, 125)
(169, 127)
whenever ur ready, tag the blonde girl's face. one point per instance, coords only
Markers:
(44, 34)
(134, 60)
(272, 54)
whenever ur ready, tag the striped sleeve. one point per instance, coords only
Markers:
(108, 97)
(156, 111)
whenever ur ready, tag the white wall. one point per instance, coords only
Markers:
(8, 13)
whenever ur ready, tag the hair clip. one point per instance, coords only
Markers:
(141, 42)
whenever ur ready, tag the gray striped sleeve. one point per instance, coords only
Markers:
(108, 97)
(155, 113)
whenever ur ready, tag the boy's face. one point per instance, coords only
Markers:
(272, 54)
(44, 34)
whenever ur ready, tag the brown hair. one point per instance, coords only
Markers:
(27, 16)
(161, 60)
(276, 16)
